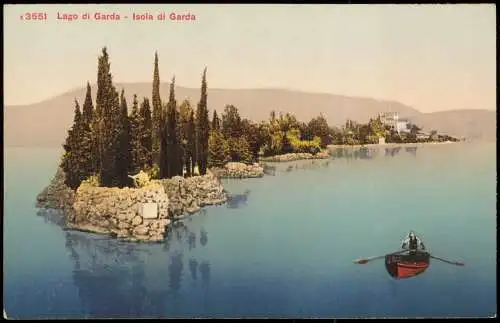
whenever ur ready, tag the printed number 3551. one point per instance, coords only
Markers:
(35, 16)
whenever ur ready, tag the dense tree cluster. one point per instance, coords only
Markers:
(109, 142)
(171, 139)
(353, 133)
(237, 139)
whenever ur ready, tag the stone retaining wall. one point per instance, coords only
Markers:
(137, 214)
(120, 212)
(296, 156)
(240, 170)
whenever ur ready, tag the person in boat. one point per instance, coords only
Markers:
(412, 243)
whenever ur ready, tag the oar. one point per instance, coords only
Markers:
(456, 263)
(367, 260)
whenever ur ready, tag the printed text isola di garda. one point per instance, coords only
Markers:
(162, 16)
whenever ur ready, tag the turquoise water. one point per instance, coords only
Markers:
(284, 247)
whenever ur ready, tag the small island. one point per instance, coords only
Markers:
(130, 173)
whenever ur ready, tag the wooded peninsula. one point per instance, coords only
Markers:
(106, 144)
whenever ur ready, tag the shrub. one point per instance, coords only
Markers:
(304, 146)
(141, 179)
(371, 139)
(154, 172)
(92, 180)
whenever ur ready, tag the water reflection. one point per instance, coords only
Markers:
(192, 240)
(367, 153)
(122, 279)
(354, 153)
(52, 216)
(203, 237)
(411, 150)
(183, 234)
(235, 201)
(306, 164)
(205, 273)
(110, 277)
(175, 271)
(392, 151)
(269, 169)
(193, 266)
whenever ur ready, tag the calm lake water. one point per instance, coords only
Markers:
(283, 247)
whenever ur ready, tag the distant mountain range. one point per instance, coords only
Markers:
(45, 124)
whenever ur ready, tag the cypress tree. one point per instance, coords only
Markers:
(180, 149)
(174, 154)
(96, 147)
(87, 141)
(163, 160)
(123, 163)
(145, 134)
(185, 111)
(191, 142)
(215, 122)
(171, 128)
(88, 107)
(157, 107)
(118, 173)
(71, 161)
(135, 137)
(105, 102)
(107, 123)
(202, 127)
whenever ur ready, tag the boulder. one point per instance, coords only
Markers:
(123, 225)
(141, 230)
(131, 214)
(157, 238)
(123, 234)
(122, 216)
(192, 209)
(137, 220)
(142, 237)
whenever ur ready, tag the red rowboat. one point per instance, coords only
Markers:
(407, 265)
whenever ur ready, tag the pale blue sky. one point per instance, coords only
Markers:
(432, 57)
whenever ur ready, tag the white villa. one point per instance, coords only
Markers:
(392, 119)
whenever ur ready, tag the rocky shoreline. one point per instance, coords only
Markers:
(296, 156)
(57, 195)
(133, 214)
(394, 145)
(144, 212)
(240, 170)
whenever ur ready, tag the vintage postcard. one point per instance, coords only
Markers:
(249, 161)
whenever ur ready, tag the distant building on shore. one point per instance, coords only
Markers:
(423, 136)
(393, 120)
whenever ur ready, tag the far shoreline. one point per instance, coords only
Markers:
(392, 145)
